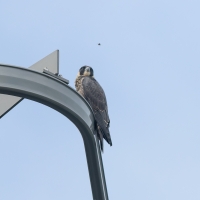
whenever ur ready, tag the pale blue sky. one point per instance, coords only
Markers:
(149, 67)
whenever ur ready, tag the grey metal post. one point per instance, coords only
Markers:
(54, 93)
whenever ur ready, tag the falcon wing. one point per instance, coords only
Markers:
(95, 96)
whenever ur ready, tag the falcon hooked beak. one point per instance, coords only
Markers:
(87, 71)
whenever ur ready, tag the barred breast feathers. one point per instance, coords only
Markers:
(78, 84)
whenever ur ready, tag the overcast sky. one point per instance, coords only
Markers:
(149, 66)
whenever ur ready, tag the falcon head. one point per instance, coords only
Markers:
(86, 71)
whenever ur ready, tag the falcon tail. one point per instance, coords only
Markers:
(101, 135)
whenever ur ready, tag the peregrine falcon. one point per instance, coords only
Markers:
(87, 86)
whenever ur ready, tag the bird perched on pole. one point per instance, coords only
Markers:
(87, 86)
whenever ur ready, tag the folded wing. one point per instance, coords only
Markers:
(95, 96)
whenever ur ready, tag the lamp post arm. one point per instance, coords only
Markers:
(56, 94)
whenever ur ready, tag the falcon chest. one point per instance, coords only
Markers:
(79, 85)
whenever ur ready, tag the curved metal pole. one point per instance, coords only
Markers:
(54, 93)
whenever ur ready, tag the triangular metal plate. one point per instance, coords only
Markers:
(51, 61)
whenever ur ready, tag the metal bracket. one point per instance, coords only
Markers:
(46, 71)
(7, 102)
